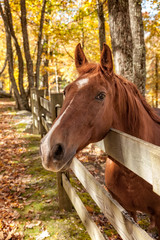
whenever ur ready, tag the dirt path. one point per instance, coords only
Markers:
(11, 170)
(28, 193)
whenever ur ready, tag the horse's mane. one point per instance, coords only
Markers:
(133, 100)
(128, 98)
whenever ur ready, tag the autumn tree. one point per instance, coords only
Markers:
(19, 91)
(26, 45)
(127, 37)
(21, 98)
(152, 29)
(101, 23)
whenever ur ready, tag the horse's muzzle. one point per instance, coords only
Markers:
(57, 158)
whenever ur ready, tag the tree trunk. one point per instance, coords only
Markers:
(19, 100)
(39, 44)
(19, 54)
(139, 52)
(121, 37)
(101, 23)
(4, 65)
(46, 64)
(56, 77)
(156, 84)
(127, 37)
(28, 58)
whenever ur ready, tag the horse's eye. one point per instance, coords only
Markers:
(100, 96)
(64, 92)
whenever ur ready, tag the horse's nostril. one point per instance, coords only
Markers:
(58, 152)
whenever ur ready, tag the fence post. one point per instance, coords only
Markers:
(56, 98)
(41, 129)
(37, 110)
(34, 108)
(64, 201)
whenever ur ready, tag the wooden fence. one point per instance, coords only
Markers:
(139, 156)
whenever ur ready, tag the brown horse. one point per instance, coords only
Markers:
(96, 101)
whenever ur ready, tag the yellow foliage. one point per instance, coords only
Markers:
(66, 24)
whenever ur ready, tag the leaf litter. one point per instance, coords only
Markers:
(16, 195)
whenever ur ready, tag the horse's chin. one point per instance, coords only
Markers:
(57, 166)
(66, 166)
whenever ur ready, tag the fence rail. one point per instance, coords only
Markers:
(139, 156)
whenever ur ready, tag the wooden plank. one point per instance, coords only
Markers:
(155, 156)
(35, 111)
(141, 157)
(90, 225)
(33, 105)
(36, 123)
(56, 98)
(64, 201)
(45, 104)
(34, 96)
(115, 213)
(46, 125)
(48, 118)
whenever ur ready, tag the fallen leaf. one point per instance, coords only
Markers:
(32, 225)
(89, 209)
(48, 200)
(43, 235)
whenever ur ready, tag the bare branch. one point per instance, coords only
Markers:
(39, 44)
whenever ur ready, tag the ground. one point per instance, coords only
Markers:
(28, 193)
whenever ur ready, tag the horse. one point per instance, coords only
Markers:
(96, 101)
(157, 111)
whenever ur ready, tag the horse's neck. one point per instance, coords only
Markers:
(146, 128)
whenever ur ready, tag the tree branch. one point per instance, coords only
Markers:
(9, 23)
(28, 58)
(67, 52)
(4, 65)
(39, 44)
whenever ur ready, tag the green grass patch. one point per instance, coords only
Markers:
(39, 210)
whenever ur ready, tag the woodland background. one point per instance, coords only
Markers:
(38, 39)
(37, 43)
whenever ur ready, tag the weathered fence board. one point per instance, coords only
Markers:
(45, 124)
(56, 99)
(36, 110)
(45, 104)
(141, 157)
(64, 201)
(90, 225)
(115, 213)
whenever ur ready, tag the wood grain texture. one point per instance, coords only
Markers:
(115, 213)
(141, 157)
(90, 225)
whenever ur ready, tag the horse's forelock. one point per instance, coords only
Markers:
(88, 68)
(93, 69)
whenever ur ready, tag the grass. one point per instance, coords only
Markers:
(39, 211)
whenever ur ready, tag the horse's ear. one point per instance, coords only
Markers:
(106, 59)
(80, 58)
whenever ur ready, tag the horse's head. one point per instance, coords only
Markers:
(86, 115)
